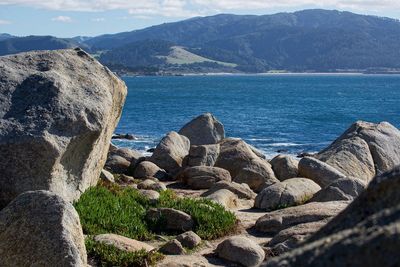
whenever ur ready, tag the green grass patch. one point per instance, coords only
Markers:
(109, 256)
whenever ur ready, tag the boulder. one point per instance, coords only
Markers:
(58, 111)
(170, 152)
(39, 228)
(189, 239)
(146, 169)
(318, 171)
(203, 177)
(351, 156)
(172, 247)
(291, 237)
(204, 155)
(203, 130)
(342, 189)
(285, 167)
(240, 249)
(276, 221)
(241, 190)
(152, 195)
(152, 185)
(383, 140)
(225, 198)
(291, 192)
(107, 176)
(117, 164)
(129, 154)
(174, 220)
(122, 242)
(366, 233)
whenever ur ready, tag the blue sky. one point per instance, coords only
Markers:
(67, 18)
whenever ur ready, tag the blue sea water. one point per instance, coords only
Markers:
(293, 113)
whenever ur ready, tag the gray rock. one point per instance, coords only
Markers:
(351, 156)
(39, 228)
(285, 167)
(170, 152)
(174, 220)
(366, 233)
(189, 239)
(117, 164)
(204, 155)
(342, 189)
(128, 154)
(318, 171)
(173, 247)
(203, 177)
(276, 221)
(291, 192)
(107, 176)
(225, 198)
(203, 130)
(241, 250)
(58, 111)
(146, 169)
(152, 185)
(122, 242)
(152, 195)
(241, 190)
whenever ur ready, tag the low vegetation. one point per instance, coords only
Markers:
(122, 210)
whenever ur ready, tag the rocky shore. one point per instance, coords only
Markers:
(68, 197)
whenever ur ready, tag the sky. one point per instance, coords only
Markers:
(68, 18)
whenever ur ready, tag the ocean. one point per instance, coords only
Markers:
(280, 113)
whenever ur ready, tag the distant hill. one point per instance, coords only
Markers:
(4, 36)
(309, 40)
(23, 44)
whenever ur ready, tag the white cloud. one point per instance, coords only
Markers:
(62, 19)
(4, 22)
(189, 8)
(98, 19)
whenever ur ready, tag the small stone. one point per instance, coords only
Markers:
(189, 239)
(175, 220)
(122, 242)
(173, 247)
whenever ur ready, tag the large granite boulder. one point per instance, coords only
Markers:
(364, 149)
(241, 190)
(203, 177)
(225, 198)
(291, 192)
(319, 171)
(285, 167)
(203, 130)
(147, 169)
(58, 111)
(241, 249)
(244, 165)
(39, 228)
(170, 152)
(366, 233)
(204, 155)
(342, 189)
(275, 221)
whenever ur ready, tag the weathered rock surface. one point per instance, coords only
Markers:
(291, 192)
(366, 233)
(204, 155)
(117, 164)
(58, 110)
(241, 190)
(152, 195)
(128, 154)
(241, 250)
(203, 130)
(285, 167)
(318, 171)
(203, 177)
(342, 189)
(39, 228)
(152, 185)
(122, 242)
(189, 239)
(107, 176)
(225, 198)
(146, 169)
(278, 220)
(173, 247)
(174, 220)
(170, 152)
(244, 165)
(351, 156)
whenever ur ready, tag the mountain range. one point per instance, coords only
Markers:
(303, 41)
